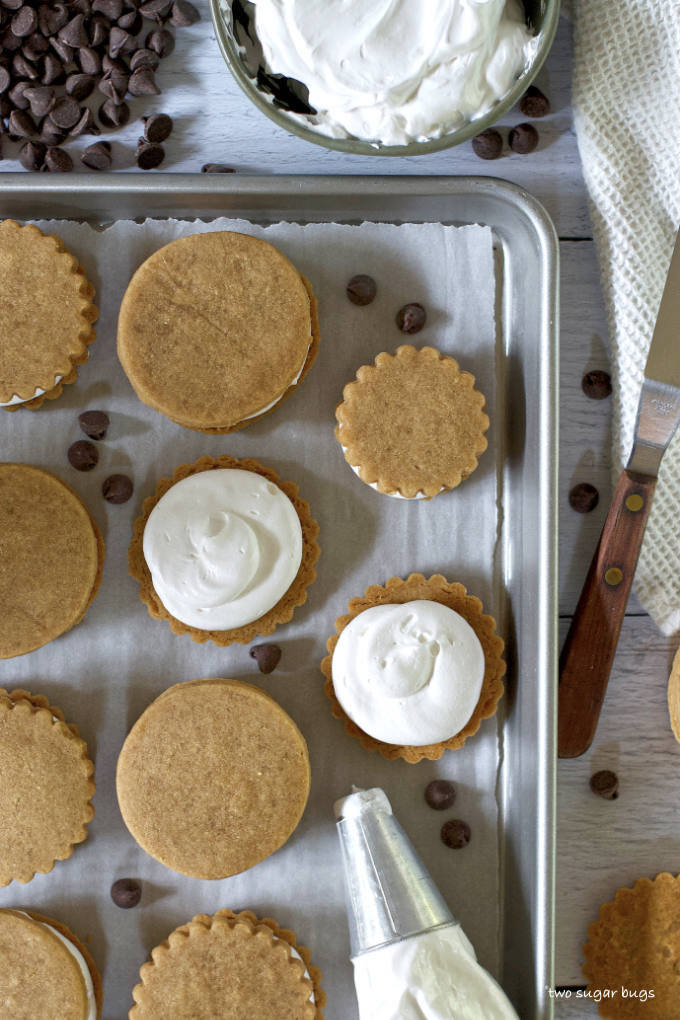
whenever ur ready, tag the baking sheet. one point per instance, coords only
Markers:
(105, 672)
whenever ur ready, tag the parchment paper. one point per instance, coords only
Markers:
(112, 665)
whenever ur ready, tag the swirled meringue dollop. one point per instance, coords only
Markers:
(395, 71)
(408, 674)
(223, 546)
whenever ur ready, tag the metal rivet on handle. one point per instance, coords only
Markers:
(613, 576)
(635, 502)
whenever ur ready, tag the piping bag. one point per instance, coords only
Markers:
(412, 960)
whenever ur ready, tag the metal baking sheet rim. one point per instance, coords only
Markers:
(528, 857)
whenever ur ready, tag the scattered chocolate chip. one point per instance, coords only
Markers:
(157, 127)
(217, 168)
(120, 41)
(605, 784)
(160, 41)
(21, 125)
(440, 794)
(97, 156)
(455, 833)
(83, 455)
(149, 155)
(24, 22)
(131, 21)
(144, 58)
(411, 318)
(114, 85)
(143, 83)
(584, 498)
(9, 42)
(117, 489)
(50, 134)
(156, 9)
(99, 31)
(17, 95)
(184, 14)
(74, 33)
(597, 384)
(41, 99)
(31, 155)
(111, 9)
(5, 79)
(361, 289)
(12, 5)
(488, 144)
(94, 424)
(66, 113)
(86, 125)
(266, 656)
(126, 893)
(57, 161)
(80, 86)
(89, 60)
(35, 47)
(534, 103)
(24, 68)
(64, 52)
(113, 115)
(523, 138)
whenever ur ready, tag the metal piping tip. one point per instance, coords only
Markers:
(390, 895)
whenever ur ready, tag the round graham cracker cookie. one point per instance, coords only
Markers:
(633, 949)
(46, 786)
(282, 611)
(46, 971)
(51, 558)
(46, 316)
(412, 425)
(228, 967)
(216, 329)
(237, 761)
(447, 593)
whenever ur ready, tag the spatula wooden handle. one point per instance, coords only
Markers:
(588, 652)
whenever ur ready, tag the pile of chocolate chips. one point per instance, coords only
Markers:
(55, 56)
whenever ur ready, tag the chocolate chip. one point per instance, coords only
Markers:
(361, 289)
(17, 95)
(584, 498)
(9, 42)
(440, 794)
(24, 22)
(126, 893)
(114, 85)
(83, 455)
(144, 58)
(86, 124)
(157, 127)
(605, 784)
(131, 21)
(143, 83)
(51, 19)
(149, 155)
(64, 52)
(534, 103)
(97, 156)
(35, 47)
(99, 30)
(53, 70)
(31, 155)
(41, 99)
(184, 14)
(89, 60)
(24, 68)
(74, 32)
(411, 318)
(117, 489)
(50, 134)
(217, 168)
(597, 384)
(21, 125)
(120, 41)
(113, 115)
(455, 833)
(5, 79)
(111, 9)
(266, 656)
(57, 161)
(94, 424)
(66, 113)
(80, 86)
(488, 144)
(160, 41)
(12, 5)
(523, 138)
(156, 9)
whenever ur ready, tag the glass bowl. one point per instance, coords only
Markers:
(272, 96)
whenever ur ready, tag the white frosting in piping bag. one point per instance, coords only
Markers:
(395, 71)
(223, 547)
(408, 674)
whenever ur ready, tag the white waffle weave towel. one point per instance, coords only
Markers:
(627, 114)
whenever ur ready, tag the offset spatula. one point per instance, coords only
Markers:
(589, 649)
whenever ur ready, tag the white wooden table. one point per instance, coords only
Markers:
(601, 845)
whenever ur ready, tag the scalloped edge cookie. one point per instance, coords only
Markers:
(283, 611)
(43, 859)
(449, 593)
(203, 924)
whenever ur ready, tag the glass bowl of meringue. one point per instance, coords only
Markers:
(385, 77)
